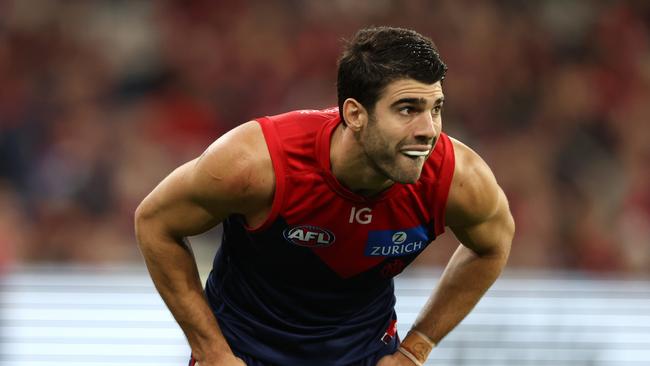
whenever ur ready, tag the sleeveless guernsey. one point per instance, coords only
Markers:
(313, 284)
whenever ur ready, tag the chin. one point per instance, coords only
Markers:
(407, 177)
(404, 172)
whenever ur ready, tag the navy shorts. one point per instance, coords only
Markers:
(371, 360)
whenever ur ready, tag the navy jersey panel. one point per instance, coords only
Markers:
(313, 284)
(294, 309)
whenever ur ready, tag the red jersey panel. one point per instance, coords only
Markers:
(349, 232)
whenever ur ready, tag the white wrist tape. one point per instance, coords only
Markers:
(410, 356)
(424, 337)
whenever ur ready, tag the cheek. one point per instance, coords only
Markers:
(384, 136)
(393, 140)
(437, 125)
(379, 138)
(396, 133)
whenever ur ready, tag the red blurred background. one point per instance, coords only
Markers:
(99, 100)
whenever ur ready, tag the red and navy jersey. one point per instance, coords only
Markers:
(313, 284)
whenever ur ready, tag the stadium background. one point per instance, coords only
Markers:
(101, 99)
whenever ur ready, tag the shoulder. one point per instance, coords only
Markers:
(237, 167)
(474, 195)
(302, 118)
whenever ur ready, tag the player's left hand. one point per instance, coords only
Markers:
(396, 359)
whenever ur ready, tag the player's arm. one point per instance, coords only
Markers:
(478, 214)
(234, 175)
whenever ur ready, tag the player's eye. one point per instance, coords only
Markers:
(406, 111)
(437, 109)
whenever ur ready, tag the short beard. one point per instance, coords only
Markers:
(372, 139)
(386, 165)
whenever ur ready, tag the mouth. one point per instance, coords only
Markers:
(416, 151)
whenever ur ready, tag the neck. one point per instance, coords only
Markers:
(351, 166)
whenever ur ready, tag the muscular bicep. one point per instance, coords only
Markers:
(178, 204)
(229, 177)
(477, 209)
(491, 235)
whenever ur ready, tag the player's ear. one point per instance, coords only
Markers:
(356, 116)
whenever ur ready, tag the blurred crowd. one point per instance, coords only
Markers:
(99, 100)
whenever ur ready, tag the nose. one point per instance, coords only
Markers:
(426, 128)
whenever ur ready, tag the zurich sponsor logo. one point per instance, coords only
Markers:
(395, 243)
(399, 237)
(309, 236)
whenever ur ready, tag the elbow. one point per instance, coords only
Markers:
(504, 235)
(139, 214)
(141, 217)
(510, 229)
(507, 237)
(507, 232)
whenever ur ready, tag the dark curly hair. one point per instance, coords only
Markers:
(377, 56)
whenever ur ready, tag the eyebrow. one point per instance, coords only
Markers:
(417, 101)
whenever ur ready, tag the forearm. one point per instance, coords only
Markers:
(174, 272)
(465, 280)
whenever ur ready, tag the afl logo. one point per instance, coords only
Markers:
(309, 236)
(399, 237)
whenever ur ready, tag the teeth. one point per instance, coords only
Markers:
(415, 153)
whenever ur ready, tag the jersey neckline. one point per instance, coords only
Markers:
(323, 148)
